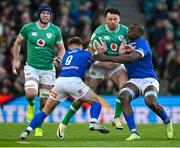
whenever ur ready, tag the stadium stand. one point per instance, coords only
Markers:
(162, 26)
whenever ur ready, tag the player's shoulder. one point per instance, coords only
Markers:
(29, 25)
(85, 52)
(143, 42)
(100, 28)
(55, 27)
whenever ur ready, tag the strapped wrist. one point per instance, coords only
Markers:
(58, 59)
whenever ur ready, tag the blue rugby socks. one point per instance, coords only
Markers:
(164, 117)
(95, 111)
(131, 124)
(38, 119)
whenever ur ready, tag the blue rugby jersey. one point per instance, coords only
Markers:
(142, 68)
(75, 63)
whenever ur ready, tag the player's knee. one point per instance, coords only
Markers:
(126, 93)
(150, 98)
(94, 100)
(31, 93)
(150, 102)
(31, 89)
(92, 83)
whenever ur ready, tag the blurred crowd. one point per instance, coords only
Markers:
(81, 17)
(163, 29)
(75, 18)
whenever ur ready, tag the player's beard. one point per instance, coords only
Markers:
(113, 26)
(43, 22)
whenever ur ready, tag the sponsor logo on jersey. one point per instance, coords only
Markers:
(114, 46)
(121, 37)
(49, 35)
(34, 33)
(40, 42)
(106, 37)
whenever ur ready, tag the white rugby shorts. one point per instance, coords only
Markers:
(47, 77)
(68, 86)
(142, 84)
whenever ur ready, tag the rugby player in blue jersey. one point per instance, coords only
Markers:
(69, 83)
(142, 80)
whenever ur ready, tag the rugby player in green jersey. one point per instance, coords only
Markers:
(112, 33)
(42, 37)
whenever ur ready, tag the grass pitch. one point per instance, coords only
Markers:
(78, 135)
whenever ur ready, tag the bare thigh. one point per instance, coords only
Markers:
(90, 97)
(93, 83)
(119, 78)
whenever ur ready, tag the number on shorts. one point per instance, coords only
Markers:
(68, 60)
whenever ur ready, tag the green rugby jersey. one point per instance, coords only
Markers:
(41, 44)
(113, 39)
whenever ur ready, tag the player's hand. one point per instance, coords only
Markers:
(126, 48)
(99, 48)
(99, 57)
(57, 64)
(15, 67)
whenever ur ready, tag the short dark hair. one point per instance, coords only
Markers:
(139, 27)
(75, 40)
(112, 11)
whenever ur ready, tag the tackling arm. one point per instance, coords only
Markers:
(91, 50)
(123, 58)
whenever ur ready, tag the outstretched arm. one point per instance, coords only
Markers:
(123, 58)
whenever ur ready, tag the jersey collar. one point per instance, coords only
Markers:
(115, 31)
(39, 27)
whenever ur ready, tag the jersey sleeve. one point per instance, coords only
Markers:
(59, 36)
(94, 36)
(89, 56)
(24, 31)
(142, 47)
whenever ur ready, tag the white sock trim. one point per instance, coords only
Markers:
(72, 108)
(94, 120)
(117, 100)
(29, 128)
(133, 130)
